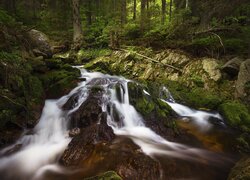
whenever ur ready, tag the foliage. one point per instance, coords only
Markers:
(5, 18)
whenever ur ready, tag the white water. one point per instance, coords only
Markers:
(199, 118)
(42, 149)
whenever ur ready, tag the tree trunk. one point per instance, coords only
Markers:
(89, 13)
(163, 11)
(134, 13)
(187, 4)
(143, 14)
(77, 25)
(170, 10)
(124, 12)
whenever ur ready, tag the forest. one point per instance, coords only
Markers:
(124, 89)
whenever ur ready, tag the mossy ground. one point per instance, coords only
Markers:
(110, 175)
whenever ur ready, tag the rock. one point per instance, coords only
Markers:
(232, 67)
(89, 113)
(41, 42)
(243, 81)
(74, 132)
(111, 175)
(39, 53)
(241, 171)
(212, 68)
(83, 144)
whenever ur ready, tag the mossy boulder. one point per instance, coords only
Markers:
(110, 175)
(236, 114)
(59, 82)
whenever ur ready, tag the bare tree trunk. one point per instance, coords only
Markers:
(124, 12)
(89, 13)
(143, 14)
(134, 13)
(187, 4)
(163, 11)
(170, 10)
(77, 25)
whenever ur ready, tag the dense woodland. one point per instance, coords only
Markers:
(198, 49)
(217, 27)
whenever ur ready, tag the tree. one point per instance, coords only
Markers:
(143, 14)
(77, 25)
(170, 10)
(163, 11)
(134, 10)
(123, 12)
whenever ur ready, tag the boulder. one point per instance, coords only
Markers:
(232, 67)
(41, 43)
(243, 81)
(241, 170)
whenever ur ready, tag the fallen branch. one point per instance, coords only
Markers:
(213, 30)
(221, 42)
(153, 60)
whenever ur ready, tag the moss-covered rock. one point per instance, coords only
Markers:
(59, 82)
(110, 175)
(236, 114)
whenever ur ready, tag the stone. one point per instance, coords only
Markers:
(232, 67)
(40, 42)
(241, 171)
(242, 83)
(212, 68)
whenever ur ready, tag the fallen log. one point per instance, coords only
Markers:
(153, 60)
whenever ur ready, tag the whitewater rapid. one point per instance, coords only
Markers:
(41, 150)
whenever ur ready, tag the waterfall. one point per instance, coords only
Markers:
(41, 149)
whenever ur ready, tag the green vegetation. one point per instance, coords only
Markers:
(110, 175)
(236, 114)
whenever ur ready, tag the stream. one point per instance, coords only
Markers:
(38, 151)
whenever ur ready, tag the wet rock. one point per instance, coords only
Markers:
(82, 145)
(74, 132)
(232, 67)
(13, 150)
(89, 113)
(107, 175)
(241, 171)
(41, 42)
(243, 81)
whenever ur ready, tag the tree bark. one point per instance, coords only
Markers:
(170, 10)
(143, 14)
(124, 12)
(187, 4)
(77, 25)
(163, 11)
(89, 13)
(134, 11)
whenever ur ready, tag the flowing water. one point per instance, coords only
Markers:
(40, 149)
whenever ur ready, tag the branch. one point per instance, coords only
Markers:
(219, 40)
(213, 30)
(155, 61)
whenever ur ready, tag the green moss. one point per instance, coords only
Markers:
(35, 89)
(89, 54)
(201, 98)
(236, 114)
(110, 175)
(144, 106)
(57, 82)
